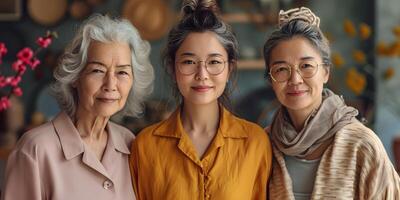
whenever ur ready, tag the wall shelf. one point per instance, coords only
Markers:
(257, 18)
(251, 64)
(249, 18)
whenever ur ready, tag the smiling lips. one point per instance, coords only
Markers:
(202, 88)
(107, 100)
(296, 92)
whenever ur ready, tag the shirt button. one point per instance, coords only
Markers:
(107, 185)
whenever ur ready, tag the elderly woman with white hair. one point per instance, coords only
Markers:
(80, 154)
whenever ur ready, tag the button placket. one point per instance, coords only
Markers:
(206, 180)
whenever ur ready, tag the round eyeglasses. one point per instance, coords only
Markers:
(281, 72)
(190, 65)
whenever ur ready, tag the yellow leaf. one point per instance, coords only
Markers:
(337, 60)
(396, 31)
(355, 81)
(359, 56)
(381, 49)
(349, 28)
(389, 73)
(394, 49)
(365, 31)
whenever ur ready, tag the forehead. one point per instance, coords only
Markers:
(104, 50)
(201, 44)
(294, 50)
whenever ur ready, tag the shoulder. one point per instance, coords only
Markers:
(41, 137)
(252, 128)
(361, 139)
(147, 133)
(254, 132)
(152, 128)
(148, 144)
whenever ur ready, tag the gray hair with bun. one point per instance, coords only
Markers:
(298, 22)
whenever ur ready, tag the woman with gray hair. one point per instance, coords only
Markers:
(321, 151)
(80, 154)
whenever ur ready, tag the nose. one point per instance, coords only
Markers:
(202, 73)
(295, 77)
(110, 82)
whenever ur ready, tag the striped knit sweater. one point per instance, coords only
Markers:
(355, 166)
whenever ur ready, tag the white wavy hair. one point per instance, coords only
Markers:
(104, 29)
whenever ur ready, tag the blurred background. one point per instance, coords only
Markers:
(364, 36)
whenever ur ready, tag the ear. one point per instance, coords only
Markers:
(326, 75)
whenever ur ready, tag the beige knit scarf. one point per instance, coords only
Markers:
(319, 127)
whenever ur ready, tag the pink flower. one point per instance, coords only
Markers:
(3, 49)
(15, 81)
(25, 55)
(34, 63)
(2, 81)
(43, 42)
(8, 80)
(22, 70)
(16, 66)
(17, 91)
(4, 103)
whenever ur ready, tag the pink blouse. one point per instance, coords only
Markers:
(52, 162)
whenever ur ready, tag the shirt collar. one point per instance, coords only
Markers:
(229, 126)
(115, 134)
(70, 139)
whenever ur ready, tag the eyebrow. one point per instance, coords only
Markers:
(302, 58)
(192, 54)
(104, 65)
(307, 58)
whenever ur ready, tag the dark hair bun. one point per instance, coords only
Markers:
(191, 6)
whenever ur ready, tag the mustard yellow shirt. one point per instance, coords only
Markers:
(236, 165)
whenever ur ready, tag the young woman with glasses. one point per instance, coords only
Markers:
(321, 151)
(202, 151)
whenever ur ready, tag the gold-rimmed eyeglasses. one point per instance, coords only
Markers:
(190, 65)
(281, 72)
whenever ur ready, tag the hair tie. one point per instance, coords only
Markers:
(302, 13)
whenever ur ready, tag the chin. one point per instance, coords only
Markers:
(107, 112)
(297, 105)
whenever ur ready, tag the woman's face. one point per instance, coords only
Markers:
(298, 94)
(105, 82)
(201, 68)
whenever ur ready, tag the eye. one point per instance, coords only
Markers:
(282, 68)
(188, 62)
(307, 65)
(123, 73)
(215, 62)
(97, 71)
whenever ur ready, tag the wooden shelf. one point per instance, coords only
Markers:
(249, 18)
(251, 64)
(243, 18)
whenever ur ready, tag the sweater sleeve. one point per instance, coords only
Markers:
(378, 177)
(22, 179)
